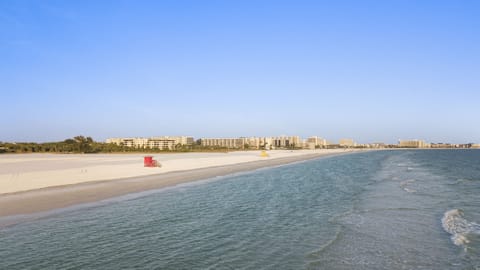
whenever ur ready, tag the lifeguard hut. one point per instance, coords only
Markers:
(264, 154)
(148, 161)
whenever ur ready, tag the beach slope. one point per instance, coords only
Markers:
(34, 183)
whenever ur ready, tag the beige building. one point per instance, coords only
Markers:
(413, 144)
(268, 143)
(316, 141)
(476, 145)
(224, 142)
(347, 143)
(254, 142)
(286, 142)
(162, 143)
(181, 140)
(377, 145)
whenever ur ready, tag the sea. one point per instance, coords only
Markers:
(391, 209)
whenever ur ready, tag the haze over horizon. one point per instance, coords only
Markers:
(373, 71)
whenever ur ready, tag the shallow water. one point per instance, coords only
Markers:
(417, 209)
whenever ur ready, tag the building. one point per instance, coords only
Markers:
(444, 145)
(254, 142)
(377, 145)
(412, 144)
(347, 143)
(236, 143)
(475, 145)
(162, 143)
(286, 142)
(182, 140)
(316, 141)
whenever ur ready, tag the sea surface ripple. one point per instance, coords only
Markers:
(404, 209)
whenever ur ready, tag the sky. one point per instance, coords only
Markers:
(374, 71)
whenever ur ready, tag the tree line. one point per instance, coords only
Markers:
(82, 144)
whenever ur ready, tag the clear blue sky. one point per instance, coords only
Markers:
(368, 70)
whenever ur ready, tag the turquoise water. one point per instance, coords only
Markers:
(377, 210)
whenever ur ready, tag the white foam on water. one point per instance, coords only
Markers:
(404, 185)
(454, 223)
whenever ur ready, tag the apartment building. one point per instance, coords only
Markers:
(162, 143)
(316, 141)
(254, 142)
(223, 142)
(412, 143)
(347, 143)
(286, 142)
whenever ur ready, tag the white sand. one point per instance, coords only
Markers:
(22, 172)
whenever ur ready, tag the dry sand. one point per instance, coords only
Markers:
(31, 183)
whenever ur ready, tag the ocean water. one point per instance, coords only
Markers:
(408, 209)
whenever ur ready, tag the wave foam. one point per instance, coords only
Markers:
(455, 224)
(405, 183)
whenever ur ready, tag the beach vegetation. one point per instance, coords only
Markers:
(87, 145)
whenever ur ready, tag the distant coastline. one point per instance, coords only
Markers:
(185, 144)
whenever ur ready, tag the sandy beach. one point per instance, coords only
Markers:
(31, 183)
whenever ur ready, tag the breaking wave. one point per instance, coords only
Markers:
(454, 223)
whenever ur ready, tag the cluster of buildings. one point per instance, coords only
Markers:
(173, 142)
(279, 142)
(254, 142)
(423, 144)
(413, 144)
(283, 142)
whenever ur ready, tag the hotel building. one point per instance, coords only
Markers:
(413, 144)
(257, 142)
(223, 142)
(347, 143)
(254, 142)
(286, 142)
(162, 143)
(315, 141)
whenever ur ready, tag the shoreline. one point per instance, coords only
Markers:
(58, 197)
(36, 171)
